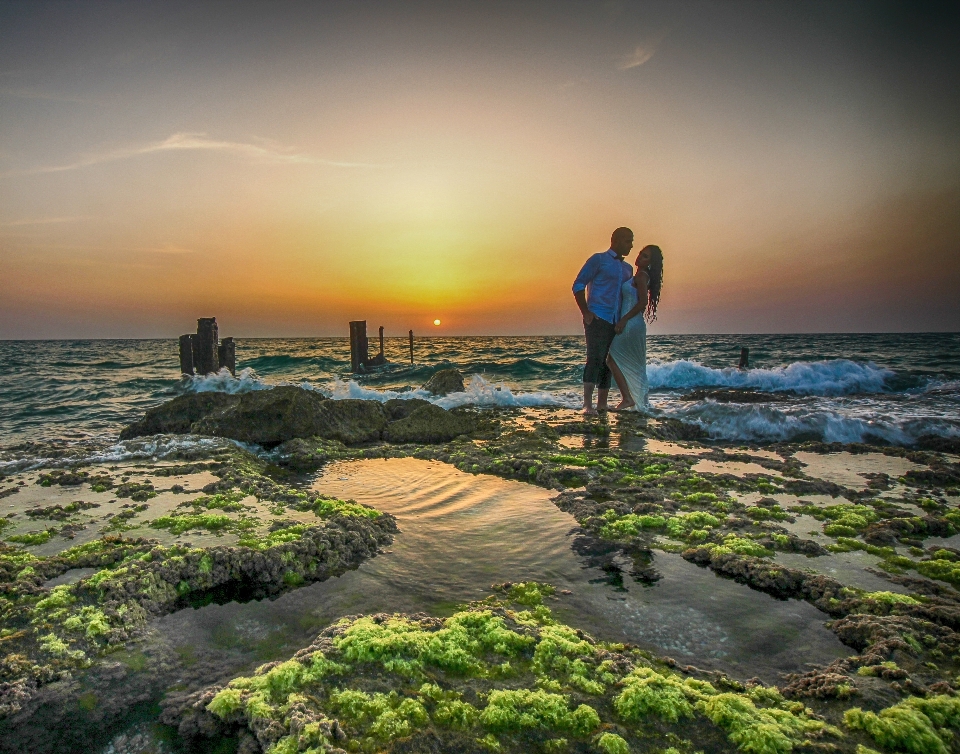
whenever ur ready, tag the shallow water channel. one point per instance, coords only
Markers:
(461, 533)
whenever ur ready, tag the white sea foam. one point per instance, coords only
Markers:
(827, 421)
(224, 382)
(479, 392)
(834, 377)
(825, 412)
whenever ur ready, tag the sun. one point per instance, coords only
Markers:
(436, 322)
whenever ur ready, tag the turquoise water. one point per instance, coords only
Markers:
(891, 387)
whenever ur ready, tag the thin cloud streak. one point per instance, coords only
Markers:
(30, 94)
(185, 141)
(642, 53)
(45, 221)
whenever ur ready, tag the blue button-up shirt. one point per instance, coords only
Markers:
(601, 277)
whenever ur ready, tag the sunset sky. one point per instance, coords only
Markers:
(287, 167)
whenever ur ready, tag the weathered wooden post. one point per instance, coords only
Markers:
(411, 346)
(227, 355)
(358, 345)
(208, 362)
(744, 358)
(186, 354)
(380, 359)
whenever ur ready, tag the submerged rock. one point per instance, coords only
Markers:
(429, 423)
(445, 381)
(176, 417)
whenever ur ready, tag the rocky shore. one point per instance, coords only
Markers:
(495, 676)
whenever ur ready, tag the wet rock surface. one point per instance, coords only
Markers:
(444, 382)
(177, 417)
(270, 417)
(501, 674)
(62, 637)
(631, 502)
(429, 424)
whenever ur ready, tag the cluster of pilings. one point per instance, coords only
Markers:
(205, 353)
(360, 358)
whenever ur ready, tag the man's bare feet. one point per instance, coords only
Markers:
(589, 411)
(602, 409)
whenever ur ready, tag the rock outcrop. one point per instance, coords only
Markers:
(401, 408)
(270, 417)
(178, 416)
(285, 413)
(445, 381)
(429, 423)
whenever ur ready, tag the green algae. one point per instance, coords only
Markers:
(404, 647)
(363, 679)
(212, 522)
(757, 730)
(741, 546)
(611, 743)
(330, 506)
(379, 716)
(514, 710)
(33, 538)
(647, 693)
(529, 593)
(915, 725)
(890, 598)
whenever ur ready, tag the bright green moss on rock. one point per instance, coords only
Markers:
(757, 730)
(648, 693)
(631, 525)
(329, 506)
(915, 725)
(379, 716)
(393, 682)
(403, 646)
(33, 538)
(528, 593)
(213, 522)
(611, 743)
(510, 711)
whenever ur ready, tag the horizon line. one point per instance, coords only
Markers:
(528, 335)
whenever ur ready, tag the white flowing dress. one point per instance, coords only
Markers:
(629, 349)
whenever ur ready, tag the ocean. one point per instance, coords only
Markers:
(892, 388)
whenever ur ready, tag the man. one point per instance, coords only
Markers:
(597, 291)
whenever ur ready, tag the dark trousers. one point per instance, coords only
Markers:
(599, 337)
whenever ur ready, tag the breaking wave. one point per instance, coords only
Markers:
(827, 423)
(835, 377)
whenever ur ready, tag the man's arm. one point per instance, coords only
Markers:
(587, 273)
(581, 297)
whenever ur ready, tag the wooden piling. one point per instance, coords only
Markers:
(358, 345)
(744, 358)
(208, 361)
(382, 355)
(411, 346)
(227, 355)
(186, 354)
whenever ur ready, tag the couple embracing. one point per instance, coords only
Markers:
(616, 304)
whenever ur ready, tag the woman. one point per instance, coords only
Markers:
(628, 354)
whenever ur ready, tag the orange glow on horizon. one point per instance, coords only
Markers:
(395, 166)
